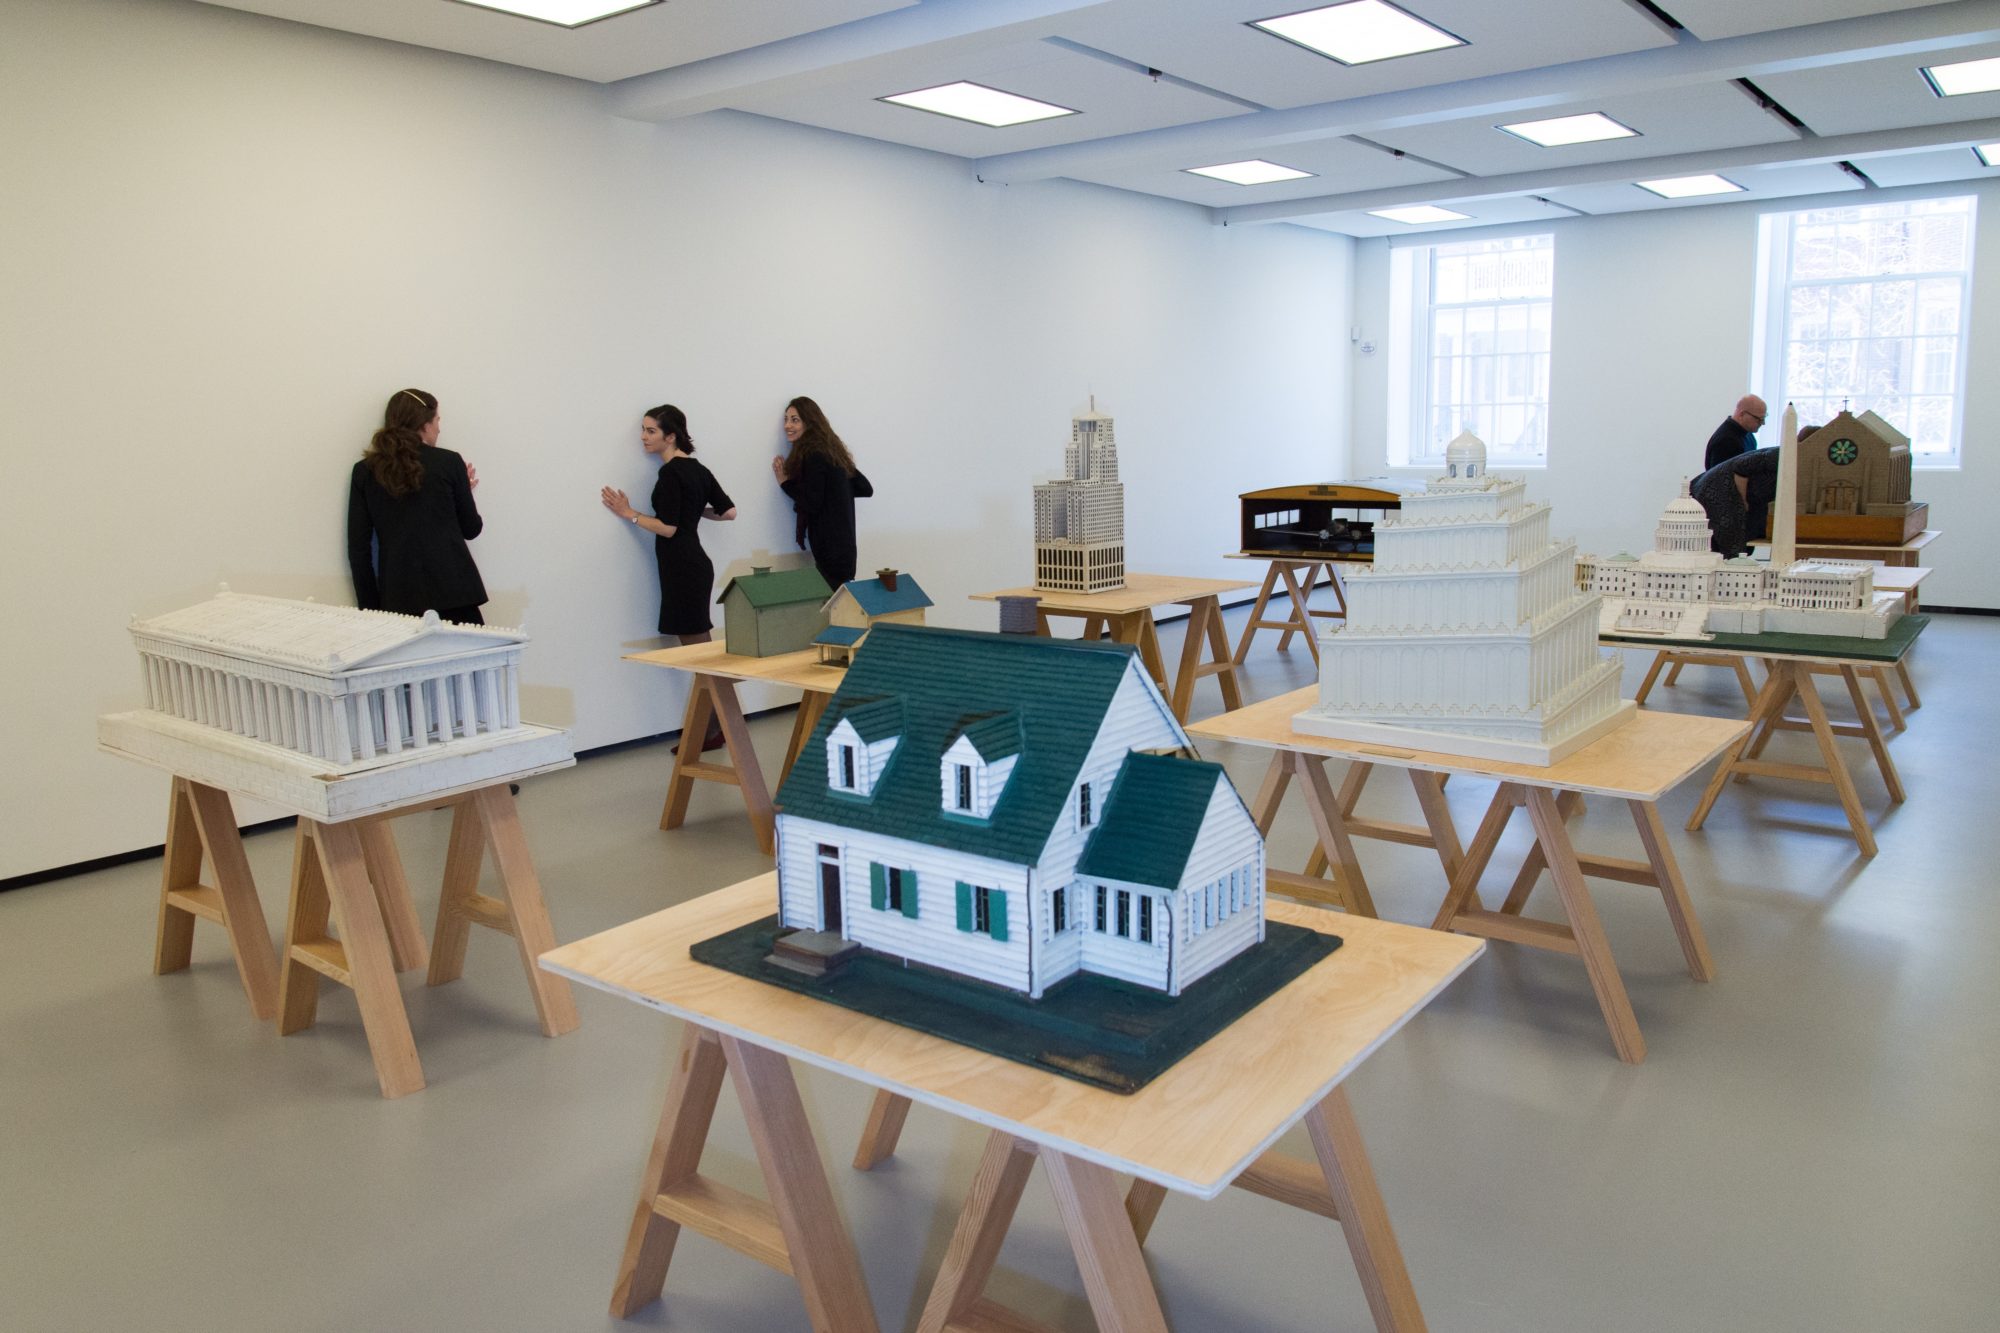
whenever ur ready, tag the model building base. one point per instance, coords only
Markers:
(302, 785)
(1412, 736)
(1094, 1029)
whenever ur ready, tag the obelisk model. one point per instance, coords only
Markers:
(1785, 520)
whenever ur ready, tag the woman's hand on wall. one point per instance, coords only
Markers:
(614, 500)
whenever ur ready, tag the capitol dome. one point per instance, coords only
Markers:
(1683, 526)
(1465, 457)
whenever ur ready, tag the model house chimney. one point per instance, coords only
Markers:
(888, 577)
(1017, 614)
(759, 569)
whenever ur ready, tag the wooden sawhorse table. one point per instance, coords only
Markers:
(350, 872)
(1205, 1124)
(1299, 574)
(716, 671)
(1638, 763)
(1127, 613)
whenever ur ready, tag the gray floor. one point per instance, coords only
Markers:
(1812, 1143)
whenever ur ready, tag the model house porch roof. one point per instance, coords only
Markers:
(1151, 821)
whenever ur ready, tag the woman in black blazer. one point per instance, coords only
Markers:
(413, 501)
(820, 478)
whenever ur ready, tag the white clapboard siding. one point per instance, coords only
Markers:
(1058, 953)
(1228, 842)
(988, 780)
(1128, 959)
(932, 936)
(1138, 719)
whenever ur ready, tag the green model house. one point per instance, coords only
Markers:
(767, 612)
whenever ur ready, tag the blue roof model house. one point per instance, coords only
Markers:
(1016, 810)
(858, 605)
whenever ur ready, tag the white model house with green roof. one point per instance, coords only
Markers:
(1016, 810)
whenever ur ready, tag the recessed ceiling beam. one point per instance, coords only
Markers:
(1904, 33)
(1800, 152)
(813, 59)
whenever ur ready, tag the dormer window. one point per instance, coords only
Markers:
(861, 744)
(973, 771)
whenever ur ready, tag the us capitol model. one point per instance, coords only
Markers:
(1682, 590)
(1080, 520)
(1468, 634)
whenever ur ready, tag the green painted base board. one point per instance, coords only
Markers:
(1095, 1029)
(1889, 648)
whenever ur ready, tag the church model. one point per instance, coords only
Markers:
(1854, 483)
(1468, 634)
(1682, 590)
(1015, 810)
(329, 710)
(1080, 520)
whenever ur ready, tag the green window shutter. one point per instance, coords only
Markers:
(964, 906)
(878, 886)
(996, 913)
(910, 894)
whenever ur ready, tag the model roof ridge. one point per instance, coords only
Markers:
(1017, 642)
(778, 587)
(876, 599)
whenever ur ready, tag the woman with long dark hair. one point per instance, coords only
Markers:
(684, 493)
(412, 503)
(820, 477)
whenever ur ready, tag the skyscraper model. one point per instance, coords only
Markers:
(1080, 520)
(1468, 634)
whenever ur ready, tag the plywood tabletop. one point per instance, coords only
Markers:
(1900, 578)
(1194, 1128)
(1142, 592)
(1642, 760)
(1303, 557)
(1916, 543)
(802, 669)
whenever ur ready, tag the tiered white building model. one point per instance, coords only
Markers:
(1468, 634)
(1080, 520)
(288, 700)
(1682, 590)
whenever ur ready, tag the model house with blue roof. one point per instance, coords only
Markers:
(857, 606)
(1016, 810)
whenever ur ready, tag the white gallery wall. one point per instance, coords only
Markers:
(225, 240)
(1651, 348)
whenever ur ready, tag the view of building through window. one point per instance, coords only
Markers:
(1866, 309)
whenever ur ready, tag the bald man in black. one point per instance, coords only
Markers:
(1737, 433)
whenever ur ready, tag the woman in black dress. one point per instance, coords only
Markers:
(820, 477)
(684, 493)
(412, 503)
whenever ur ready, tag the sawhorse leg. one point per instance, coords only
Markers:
(798, 1231)
(812, 705)
(1348, 890)
(200, 821)
(715, 696)
(1204, 629)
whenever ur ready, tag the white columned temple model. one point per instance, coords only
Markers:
(1468, 634)
(1080, 520)
(329, 709)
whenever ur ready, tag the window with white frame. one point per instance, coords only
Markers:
(1866, 308)
(1470, 327)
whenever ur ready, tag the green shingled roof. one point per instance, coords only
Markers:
(1151, 820)
(779, 587)
(994, 735)
(1057, 689)
(874, 719)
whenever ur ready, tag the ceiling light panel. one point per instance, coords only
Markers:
(1418, 215)
(1988, 154)
(1964, 76)
(563, 13)
(1359, 32)
(978, 103)
(1256, 171)
(1690, 187)
(1561, 131)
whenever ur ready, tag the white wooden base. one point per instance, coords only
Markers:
(301, 785)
